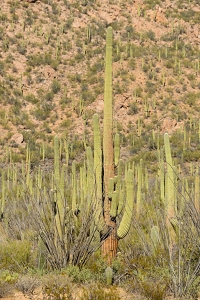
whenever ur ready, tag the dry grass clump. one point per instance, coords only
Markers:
(58, 287)
(6, 289)
(99, 292)
(27, 284)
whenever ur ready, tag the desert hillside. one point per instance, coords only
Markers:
(52, 68)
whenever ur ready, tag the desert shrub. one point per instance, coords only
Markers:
(54, 64)
(133, 108)
(191, 98)
(1, 33)
(31, 98)
(38, 217)
(151, 35)
(78, 275)
(55, 86)
(57, 287)
(2, 68)
(98, 292)
(43, 111)
(151, 4)
(65, 100)
(27, 284)
(8, 276)
(66, 123)
(40, 59)
(55, 8)
(5, 289)
(191, 155)
(132, 63)
(35, 60)
(153, 289)
(15, 255)
(49, 96)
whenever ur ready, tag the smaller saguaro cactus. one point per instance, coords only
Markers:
(109, 275)
(170, 186)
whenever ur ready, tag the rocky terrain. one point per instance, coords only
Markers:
(52, 67)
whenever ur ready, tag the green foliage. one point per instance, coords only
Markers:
(49, 96)
(8, 276)
(15, 255)
(40, 59)
(151, 4)
(191, 155)
(78, 275)
(31, 98)
(188, 15)
(43, 111)
(132, 63)
(151, 35)
(55, 86)
(191, 98)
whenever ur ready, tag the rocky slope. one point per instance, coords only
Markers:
(52, 67)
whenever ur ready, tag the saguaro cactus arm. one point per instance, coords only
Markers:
(128, 212)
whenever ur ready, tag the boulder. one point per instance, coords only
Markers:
(17, 138)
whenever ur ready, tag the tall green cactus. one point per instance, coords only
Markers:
(111, 202)
(170, 200)
(109, 247)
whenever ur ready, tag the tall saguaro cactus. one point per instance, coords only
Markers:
(113, 200)
(109, 247)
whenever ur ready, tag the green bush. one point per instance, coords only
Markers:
(49, 96)
(31, 98)
(77, 275)
(191, 98)
(132, 63)
(15, 255)
(133, 108)
(55, 86)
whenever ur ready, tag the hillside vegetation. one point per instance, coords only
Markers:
(58, 202)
